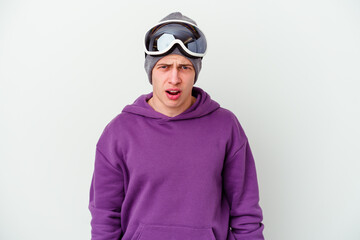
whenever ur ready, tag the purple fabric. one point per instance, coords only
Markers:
(188, 177)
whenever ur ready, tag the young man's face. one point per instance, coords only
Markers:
(173, 72)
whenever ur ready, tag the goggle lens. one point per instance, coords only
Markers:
(161, 38)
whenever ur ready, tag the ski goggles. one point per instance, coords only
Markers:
(163, 36)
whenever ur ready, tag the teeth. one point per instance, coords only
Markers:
(172, 92)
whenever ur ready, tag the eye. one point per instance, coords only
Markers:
(185, 67)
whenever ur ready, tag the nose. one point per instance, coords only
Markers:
(174, 77)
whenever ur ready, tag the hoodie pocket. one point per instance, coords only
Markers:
(163, 232)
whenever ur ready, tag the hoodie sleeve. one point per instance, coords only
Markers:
(106, 193)
(241, 189)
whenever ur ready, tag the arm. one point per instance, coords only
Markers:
(106, 197)
(241, 189)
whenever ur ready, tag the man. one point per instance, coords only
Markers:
(174, 164)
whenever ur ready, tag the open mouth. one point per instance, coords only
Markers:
(173, 92)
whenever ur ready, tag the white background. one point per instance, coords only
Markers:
(288, 69)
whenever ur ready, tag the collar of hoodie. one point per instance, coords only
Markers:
(203, 105)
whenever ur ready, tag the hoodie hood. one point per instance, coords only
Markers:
(203, 105)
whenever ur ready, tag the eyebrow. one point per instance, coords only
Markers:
(165, 64)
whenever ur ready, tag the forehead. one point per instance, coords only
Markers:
(174, 58)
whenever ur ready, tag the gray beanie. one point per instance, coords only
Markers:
(150, 61)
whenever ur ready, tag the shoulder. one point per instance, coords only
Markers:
(230, 121)
(118, 121)
(227, 115)
(115, 127)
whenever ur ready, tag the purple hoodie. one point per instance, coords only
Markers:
(188, 177)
